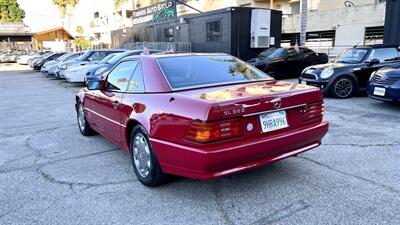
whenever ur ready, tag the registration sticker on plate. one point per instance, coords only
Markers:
(379, 91)
(273, 121)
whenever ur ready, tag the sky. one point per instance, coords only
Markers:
(43, 15)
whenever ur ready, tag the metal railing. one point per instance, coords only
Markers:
(176, 46)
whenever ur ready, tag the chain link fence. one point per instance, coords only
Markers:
(176, 46)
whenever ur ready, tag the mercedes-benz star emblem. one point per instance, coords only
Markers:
(276, 103)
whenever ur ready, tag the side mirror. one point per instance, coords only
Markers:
(96, 85)
(90, 59)
(373, 62)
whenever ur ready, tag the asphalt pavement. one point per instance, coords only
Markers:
(51, 174)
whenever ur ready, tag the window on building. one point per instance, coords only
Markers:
(169, 34)
(373, 35)
(295, 7)
(213, 30)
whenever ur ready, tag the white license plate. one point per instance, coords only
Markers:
(379, 91)
(273, 121)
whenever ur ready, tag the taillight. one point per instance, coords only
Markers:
(313, 111)
(203, 132)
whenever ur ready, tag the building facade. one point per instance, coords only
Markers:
(332, 25)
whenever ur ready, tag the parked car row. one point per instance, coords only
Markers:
(11, 56)
(374, 69)
(81, 66)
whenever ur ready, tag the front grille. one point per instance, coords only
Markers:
(309, 76)
(377, 79)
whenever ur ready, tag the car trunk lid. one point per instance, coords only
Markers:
(255, 98)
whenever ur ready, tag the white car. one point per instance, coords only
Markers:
(78, 73)
(23, 60)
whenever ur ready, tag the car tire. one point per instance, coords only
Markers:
(144, 161)
(343, 87)
(83, 125)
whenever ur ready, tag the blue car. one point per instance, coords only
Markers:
(96, 72)
(384, 84)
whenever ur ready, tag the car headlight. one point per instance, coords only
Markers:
(326, 73)
(100, 70)
(372, 75)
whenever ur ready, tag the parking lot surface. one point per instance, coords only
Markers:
(51, 174)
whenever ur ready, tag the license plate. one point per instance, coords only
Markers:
(379, 91)
(273, 121)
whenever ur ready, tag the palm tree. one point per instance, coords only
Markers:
(66, 7)
(79, 30)
(118, 3)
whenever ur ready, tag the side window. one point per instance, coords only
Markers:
(383, 54)
(293, 53)
(98, 56)
(119, 77)
(137, 84)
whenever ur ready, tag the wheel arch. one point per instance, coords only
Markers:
(352, 76)
(128, 130)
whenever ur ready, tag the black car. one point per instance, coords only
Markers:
(351, 70)
(282, 63)
(384, 84)
(38, 65)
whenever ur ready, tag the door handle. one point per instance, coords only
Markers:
(116, 104)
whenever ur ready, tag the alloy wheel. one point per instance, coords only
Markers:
(343, 88)
(81, 118)
(141, 155)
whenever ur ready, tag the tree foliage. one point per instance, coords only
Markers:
(79, 30)
(63, 5)
(10, 11)
(118, 3)
(81, 43)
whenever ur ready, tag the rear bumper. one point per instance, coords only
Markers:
(226, 159)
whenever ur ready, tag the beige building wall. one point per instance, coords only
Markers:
(335, 4)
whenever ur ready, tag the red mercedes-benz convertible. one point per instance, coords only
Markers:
(200, 116)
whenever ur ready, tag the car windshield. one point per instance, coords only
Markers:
(352, 55)
(123, 55)
(84, 56)
(63, 57)
(208, 70)
(107, 58)
(273, 53)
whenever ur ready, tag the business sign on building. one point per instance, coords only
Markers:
(162, 11)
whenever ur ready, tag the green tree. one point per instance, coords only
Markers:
(10, 11)
(79, 30)
(66, 7)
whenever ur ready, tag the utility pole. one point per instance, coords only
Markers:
(303, 22)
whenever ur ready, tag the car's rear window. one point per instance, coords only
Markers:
(184, 72)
